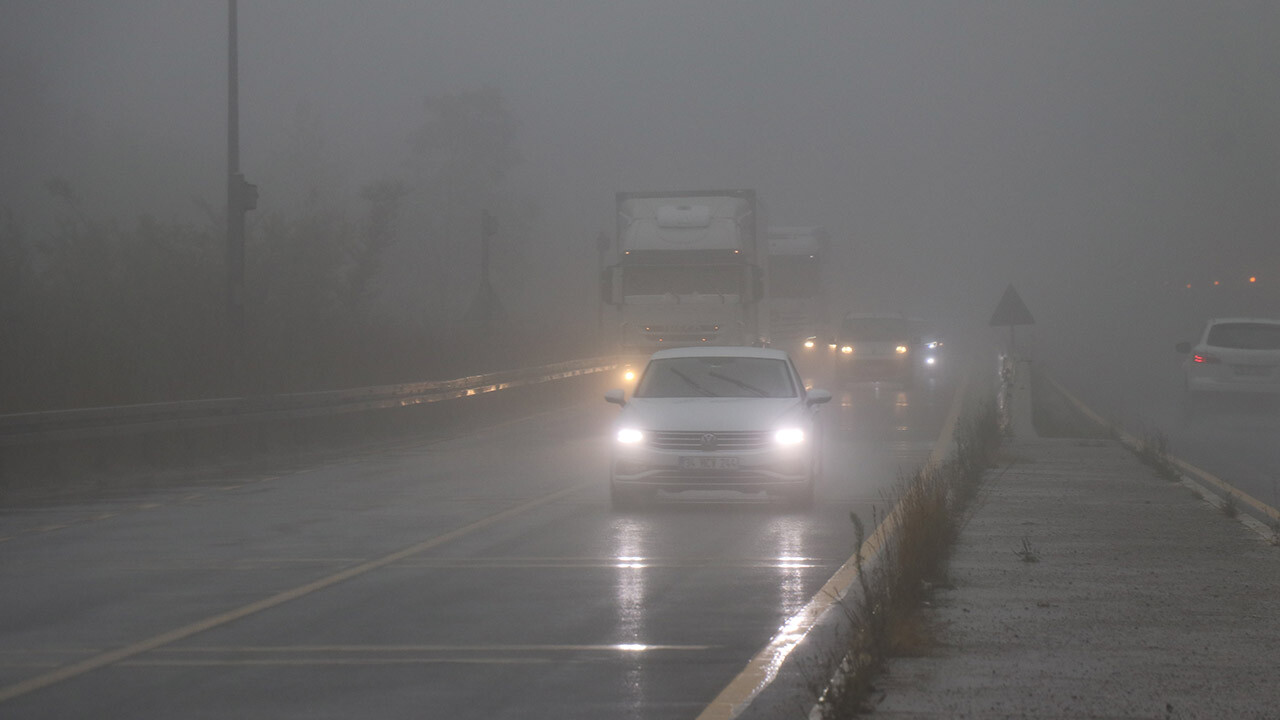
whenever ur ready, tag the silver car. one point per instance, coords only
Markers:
(716, 418)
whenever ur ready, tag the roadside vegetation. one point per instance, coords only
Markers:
(344, 287)
(885, 613)
(1153, 451)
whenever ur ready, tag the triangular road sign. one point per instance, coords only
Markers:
(1011, 311)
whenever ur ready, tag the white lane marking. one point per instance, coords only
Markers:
(426, 647)
(763, 668)
(120, 654)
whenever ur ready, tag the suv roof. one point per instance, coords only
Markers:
(721, 351)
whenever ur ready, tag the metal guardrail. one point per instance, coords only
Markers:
(24, 428)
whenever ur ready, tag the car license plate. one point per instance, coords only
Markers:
(709, 463)
(1253, 370)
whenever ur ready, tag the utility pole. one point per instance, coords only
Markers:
(241, 196)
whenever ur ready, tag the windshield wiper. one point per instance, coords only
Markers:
(692, 383)
(735, 381)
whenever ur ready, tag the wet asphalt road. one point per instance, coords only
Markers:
(482, 576)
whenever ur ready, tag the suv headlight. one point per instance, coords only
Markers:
(630, 436)
(789, 436)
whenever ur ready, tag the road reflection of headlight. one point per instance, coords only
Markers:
(630, 436)
(789, 436)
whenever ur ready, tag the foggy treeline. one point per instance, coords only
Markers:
(99, 310)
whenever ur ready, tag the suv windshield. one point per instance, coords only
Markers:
(1245, 336)
(716, 377)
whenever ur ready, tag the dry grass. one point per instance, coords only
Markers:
(886, 616)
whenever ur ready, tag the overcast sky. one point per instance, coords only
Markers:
(951, 148)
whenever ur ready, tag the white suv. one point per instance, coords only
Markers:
(717, 418)
(1233, 355)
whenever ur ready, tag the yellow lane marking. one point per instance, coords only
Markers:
(1227, 487)
(124, 653)
(764, 667)
(1133, 442)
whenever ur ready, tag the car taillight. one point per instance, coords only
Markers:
(1205, 359)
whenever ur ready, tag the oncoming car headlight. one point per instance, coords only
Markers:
(847, 349)
(630, 436)
(901, 349)
(789, 436)
(629, 375)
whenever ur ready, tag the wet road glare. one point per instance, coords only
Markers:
(483, 576)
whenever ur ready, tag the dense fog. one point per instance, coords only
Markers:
(1110, 160)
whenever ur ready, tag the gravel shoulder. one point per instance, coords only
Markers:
(1085, 586)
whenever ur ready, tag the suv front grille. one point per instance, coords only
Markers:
(710, 441)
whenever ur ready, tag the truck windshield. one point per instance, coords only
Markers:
(794, 276)
(875, 330)
(716, 377)
(682, 282)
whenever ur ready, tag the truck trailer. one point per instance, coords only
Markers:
(688, 270)
(796, 303)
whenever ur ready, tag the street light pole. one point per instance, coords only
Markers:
(235, 213)
(241, 198)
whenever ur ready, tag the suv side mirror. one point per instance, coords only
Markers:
(817, 397)
(615, 396)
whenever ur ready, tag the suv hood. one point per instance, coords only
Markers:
(723, 414)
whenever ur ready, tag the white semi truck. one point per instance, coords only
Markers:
(687, 271)
(796, 303)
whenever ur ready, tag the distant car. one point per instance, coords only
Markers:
(878, 348)
(930, 355)
(1233, 355)
(716, 418)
